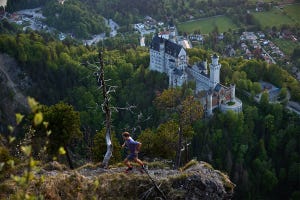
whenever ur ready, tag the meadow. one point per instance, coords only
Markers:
(287, 46)
(293, 12)
(278, 16)
(207, 25)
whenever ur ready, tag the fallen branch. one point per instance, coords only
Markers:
(155, 185)
(147, 193)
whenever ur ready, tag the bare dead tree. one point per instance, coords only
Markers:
(106, 90)
(107, 111)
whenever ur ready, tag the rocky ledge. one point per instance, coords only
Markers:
(197, 180)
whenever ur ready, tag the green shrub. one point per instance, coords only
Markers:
(4, 158)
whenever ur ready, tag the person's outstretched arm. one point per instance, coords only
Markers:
(138, 147)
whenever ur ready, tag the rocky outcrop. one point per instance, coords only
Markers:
(203, 182)
(198, 181)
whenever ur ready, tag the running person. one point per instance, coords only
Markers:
(134, 148)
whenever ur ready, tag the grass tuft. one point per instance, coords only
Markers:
(189, 164)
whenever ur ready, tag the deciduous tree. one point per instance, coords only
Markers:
(184, 108)
(64, 123)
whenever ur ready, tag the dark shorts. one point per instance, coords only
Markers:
(132, 156)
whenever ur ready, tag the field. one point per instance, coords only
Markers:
(207, 25)
(277, 17)
(287, 46)
(293, 12)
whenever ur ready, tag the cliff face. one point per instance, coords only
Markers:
(200, 181)
(12, 83)
(204, 182)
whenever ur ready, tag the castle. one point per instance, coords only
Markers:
(168, 57)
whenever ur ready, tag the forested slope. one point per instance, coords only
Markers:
(258, 148)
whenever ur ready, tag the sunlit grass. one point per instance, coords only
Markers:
(207, 25)
(277, 17)
(293, 12)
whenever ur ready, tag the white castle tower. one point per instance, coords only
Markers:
(214, 68)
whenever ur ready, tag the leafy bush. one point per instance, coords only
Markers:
(4, 158)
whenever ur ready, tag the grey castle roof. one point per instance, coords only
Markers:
(178, 72)
(171, 48)
(201, 69)
(201, 66)
(218, 87)
(156, 42)
(203, 74)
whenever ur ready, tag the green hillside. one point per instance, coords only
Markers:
(293, 12)
(278, 17)
(207, 25)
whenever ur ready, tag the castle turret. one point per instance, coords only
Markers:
(232, 92)
(214, 68)
(172, 32)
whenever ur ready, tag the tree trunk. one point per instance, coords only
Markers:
(69, 158)
(106, 108)
(109, 149)
(186, 151)
(178, 152)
